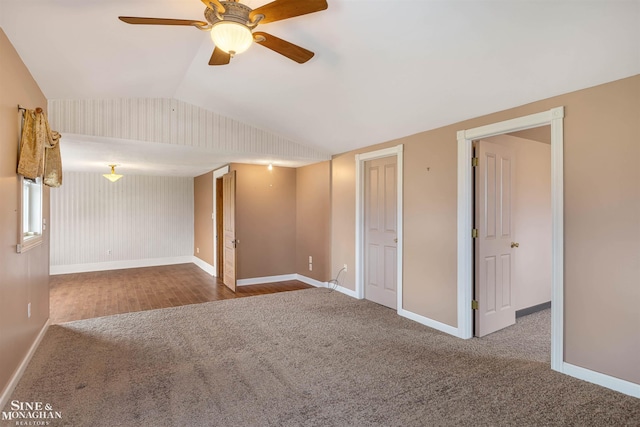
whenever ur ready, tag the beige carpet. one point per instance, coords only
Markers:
(311, 357)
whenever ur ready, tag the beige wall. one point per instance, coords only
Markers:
(539, 134)
(313, 210)
(429, 222)
(602, 222)
(265, 220)
(203, 222)
(531, 210)
(24, 277)
(282, 218)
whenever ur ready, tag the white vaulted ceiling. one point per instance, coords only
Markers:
(382, 70)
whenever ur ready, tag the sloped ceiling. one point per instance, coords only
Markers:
(382, 70)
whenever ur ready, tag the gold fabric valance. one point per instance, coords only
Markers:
(40, 149)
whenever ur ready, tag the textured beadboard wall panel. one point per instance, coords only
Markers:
(172, 122)
(137, 217)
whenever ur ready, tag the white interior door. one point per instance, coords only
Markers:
(229, 229)
(493, 246)
(381, 231)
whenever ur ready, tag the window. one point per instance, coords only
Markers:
(31, 218)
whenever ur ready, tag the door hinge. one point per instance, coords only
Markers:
(474, 161)
(474, 233)
(474, 304)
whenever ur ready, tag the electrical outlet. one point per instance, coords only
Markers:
(310, 259)
(345, 268)
(108, 251)
(197, 250)
(29, 310)
(310, 267)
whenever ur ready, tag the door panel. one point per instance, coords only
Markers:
(380, 225)
(390, 271)
(505, 222)
(490, 273)
(229, 227)
(506, 281)
(490, 197)
(493, 252)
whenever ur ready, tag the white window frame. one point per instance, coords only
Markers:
(31, 215)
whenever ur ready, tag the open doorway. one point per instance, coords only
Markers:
(554, 118)
(512, 224)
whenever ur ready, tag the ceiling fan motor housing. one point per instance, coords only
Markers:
(234, 12)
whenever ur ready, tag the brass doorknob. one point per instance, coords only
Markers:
(515, 245)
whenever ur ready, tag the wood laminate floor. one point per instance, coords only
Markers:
(86, 295)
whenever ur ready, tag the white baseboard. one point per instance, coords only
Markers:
(310, 281)
(442, 327)
(319, 284)
(266, 279)
(204, 266)
(15, 378)
(613, 383)
(294, 276)
(346, 291)
(119, 265)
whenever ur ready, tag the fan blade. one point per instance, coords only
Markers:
(283, 47)
(160, 21)
(284, 9)
(214, 3)
(219, 57)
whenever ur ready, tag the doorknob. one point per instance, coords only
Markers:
(395, 240)
(515, 245)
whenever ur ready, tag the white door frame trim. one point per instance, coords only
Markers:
(360, 159)
(553, 117)
(216, 174)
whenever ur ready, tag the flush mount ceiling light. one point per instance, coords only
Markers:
(113, 176)
(231, 24)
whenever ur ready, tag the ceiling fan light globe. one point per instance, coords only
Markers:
(231, 37)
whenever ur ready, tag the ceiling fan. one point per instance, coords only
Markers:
(231, 25)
